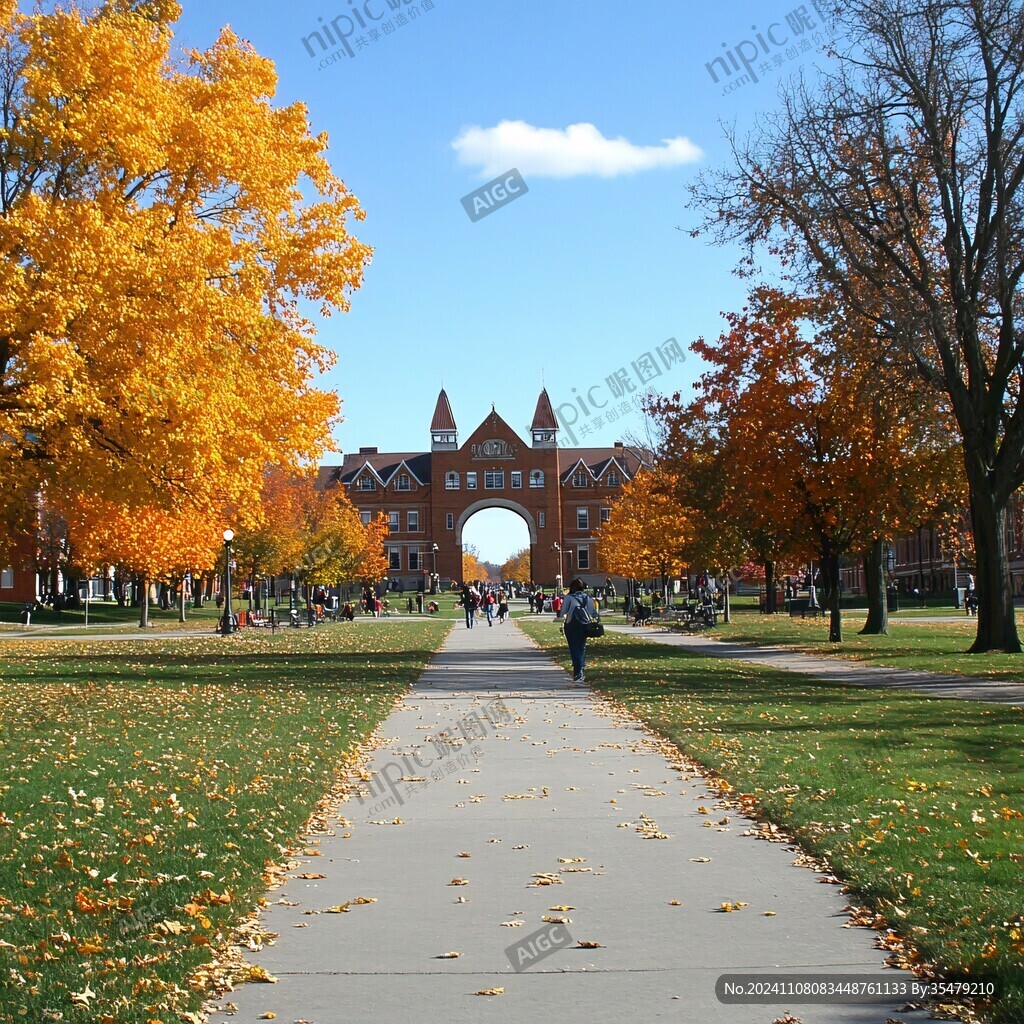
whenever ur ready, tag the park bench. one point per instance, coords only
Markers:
(802, 606)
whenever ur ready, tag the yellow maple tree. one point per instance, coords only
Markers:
(153, 543)
(648, 532)
(517, 567)
(162, 222)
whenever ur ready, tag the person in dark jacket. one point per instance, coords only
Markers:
(469, 606)
(577, 610)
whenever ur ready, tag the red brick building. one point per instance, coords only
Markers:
(18, 579)
(562, 494)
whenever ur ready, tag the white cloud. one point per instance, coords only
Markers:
(556, 153)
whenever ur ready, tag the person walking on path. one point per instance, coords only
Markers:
(468, 605)
(502, 607)
(489, 607)
(577, 610)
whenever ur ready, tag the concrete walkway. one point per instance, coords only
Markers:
(639, 853)
(835, 670)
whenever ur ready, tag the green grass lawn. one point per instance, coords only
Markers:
(146, 786)
(107, 615)
(932, 646)
(917, 803)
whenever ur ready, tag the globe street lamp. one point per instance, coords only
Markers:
(226, 622)
(434, 580)
(558, 579)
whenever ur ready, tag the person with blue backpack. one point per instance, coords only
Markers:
(581, 622)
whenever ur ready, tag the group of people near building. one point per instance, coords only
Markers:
(490, 600)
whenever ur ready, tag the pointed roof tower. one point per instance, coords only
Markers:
(444, 435)
(545, 426)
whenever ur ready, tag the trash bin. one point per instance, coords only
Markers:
(958, 597)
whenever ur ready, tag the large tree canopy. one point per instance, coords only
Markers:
(899, 181)
(161, 224)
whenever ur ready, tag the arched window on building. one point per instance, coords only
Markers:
(536, 478)
(451, 481)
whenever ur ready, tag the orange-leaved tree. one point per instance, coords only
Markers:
(472, 568)
(517, 567)
(648, 533)
(163, 225)
(153, 543)
(336, 545)
(819, 439)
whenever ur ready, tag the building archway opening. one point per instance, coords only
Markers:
(497, 546)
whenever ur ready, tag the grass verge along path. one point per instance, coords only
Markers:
(928, 646)
(917, 803)
(145, 788)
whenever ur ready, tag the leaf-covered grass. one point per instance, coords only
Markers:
(918, 803)
(146, 786)
(930, 646)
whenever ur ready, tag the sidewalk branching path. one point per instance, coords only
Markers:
(918, 803)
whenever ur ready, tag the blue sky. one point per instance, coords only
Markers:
(578, 277)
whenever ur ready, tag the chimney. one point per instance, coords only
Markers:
(367, 451)
(618, 444)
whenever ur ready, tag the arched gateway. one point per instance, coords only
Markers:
(563, 494)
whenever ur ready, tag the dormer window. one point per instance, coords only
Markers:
(612, 479)
(580, 478)
(366, 483)
(404, 482)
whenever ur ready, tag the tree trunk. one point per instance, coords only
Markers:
(830, 593)
(997, 623)
(181, 601)
(874, 578)
(143, 603)
(771, 603)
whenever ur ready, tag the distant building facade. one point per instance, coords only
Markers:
(562, 494)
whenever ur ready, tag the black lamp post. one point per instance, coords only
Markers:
(434, 578)
(226, 623)
(558, 578)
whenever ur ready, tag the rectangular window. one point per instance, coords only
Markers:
(517, 478)
(583, 558)
(540, 520)
(582, 519)
(393, 522)
(414, 559)
(471, 481)
(365, 517)
(404, 482)
(414, 521)
(395, 559)
(494, 479)
(606, 515)
(449, 521)
(7, 579)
